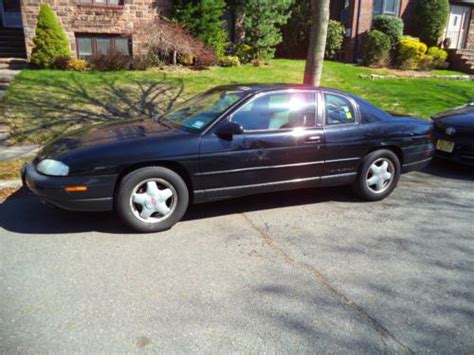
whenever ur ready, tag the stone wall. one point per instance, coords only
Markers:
(470, 33)
(81, 18)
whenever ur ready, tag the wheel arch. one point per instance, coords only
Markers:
(172, 165)
(394, 148)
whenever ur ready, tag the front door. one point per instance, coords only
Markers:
(457, 26)
(11, 13)
(281, 147)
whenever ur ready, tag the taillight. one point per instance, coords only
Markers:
(429, 135)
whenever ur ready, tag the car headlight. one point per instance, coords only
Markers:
(53, 167)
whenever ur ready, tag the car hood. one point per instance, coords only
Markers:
(461, 117)
(107, 134)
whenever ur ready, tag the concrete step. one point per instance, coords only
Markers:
(4, 66)
(3, 139)
(12, 52)
(12, 45)
(7, 76)
(4, 86)
(13, 63)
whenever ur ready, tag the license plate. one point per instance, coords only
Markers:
(445, 146)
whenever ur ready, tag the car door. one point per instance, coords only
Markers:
(281, 146)
(345, 138)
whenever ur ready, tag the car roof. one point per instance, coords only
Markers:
(254, 88)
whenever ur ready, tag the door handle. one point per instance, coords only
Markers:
(313, 139)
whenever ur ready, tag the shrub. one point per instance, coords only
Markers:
(145, 61)
(244, 52)
(229, 61)
(335, 37)
(390, 25)
(186, 59)
(296, 31)
(203, 20)
(61, 62)
(439, 57)
(410, 52)
(110, 61)
(77, 64)
(435, 58)
(263, 20)
(50, 41)
(432, 17)
(169, 41)
(377, 48)
(68, 63)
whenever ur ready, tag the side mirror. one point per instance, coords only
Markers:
(228, 129)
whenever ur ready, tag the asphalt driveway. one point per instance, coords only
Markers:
(306, 271)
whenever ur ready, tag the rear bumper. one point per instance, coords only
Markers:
(50, 189)
(417, 157)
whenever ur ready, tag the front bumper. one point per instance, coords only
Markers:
(50, 189)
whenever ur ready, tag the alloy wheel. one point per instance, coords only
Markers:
(380, 175)
(153, 200)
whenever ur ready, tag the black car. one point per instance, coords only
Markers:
(453, 134)
(227, 142)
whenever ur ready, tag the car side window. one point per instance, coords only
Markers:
(338, 110)
(278, 111)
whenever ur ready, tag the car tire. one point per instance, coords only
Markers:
(378, 175)
(152, 199)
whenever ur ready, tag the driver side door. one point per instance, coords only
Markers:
(281, 147)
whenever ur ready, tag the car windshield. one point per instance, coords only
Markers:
(199, 111)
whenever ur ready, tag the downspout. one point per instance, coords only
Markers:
(356, 47)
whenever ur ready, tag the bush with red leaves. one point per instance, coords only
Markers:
(170, 41)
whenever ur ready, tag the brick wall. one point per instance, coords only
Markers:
(353, 44)
(81, 18)
(470, 33)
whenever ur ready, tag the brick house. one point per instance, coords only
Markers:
(357, 15)
(91, 25)
(96, 25)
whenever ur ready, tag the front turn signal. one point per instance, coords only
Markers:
(75, 188)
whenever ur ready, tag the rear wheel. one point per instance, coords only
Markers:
(378, 176)
(152, 199)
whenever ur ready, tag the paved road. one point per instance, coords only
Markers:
(307, 271)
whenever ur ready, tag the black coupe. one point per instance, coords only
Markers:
(453, 134)
(229, 141)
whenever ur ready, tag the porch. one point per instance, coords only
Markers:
(458, 37)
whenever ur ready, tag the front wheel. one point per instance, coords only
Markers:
(152, 199)
(378, 175)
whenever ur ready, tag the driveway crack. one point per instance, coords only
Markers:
(381, 330)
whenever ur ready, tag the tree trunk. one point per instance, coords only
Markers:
(317, 42)
(174, 59)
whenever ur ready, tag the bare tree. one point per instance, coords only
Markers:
(317, 42)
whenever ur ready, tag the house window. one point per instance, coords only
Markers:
(102, 2)
(89, 45)
(386, 7)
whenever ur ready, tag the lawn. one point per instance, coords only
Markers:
(41, 104)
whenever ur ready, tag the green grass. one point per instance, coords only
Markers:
(41, 104)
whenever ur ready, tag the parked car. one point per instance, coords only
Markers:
(453, 134)
(227, 142)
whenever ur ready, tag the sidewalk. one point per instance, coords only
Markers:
(18, 151)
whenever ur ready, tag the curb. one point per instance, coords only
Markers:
(10, 184)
